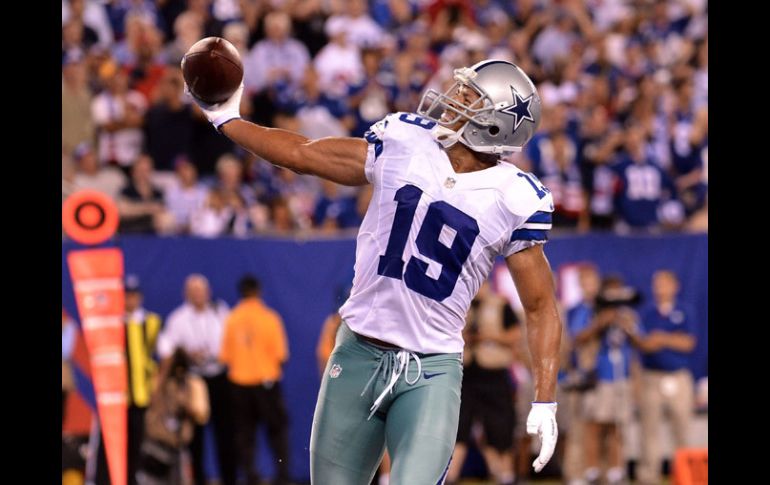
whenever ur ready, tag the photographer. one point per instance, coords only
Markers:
(177, 405)
(607, 405)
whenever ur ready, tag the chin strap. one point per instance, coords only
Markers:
(445, 136)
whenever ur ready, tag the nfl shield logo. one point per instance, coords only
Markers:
(335, 371)
(449, 182)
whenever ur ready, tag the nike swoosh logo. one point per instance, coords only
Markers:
(431, 376)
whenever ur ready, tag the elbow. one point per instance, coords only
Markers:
(537, 306)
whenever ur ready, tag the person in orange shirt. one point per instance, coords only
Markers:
(254, 348)
(326, 340)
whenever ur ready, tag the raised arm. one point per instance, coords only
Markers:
(534, 282)
(339, 159)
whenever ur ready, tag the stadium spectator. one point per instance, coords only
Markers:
(208, 146)
(76, 124)
(487, 393)
(335, 209)
(326, 340)
(666, 338)
(597, 143)
(168, 124)
(362, 31)
(196, 327)
(237, 33)
(142, 328)
(607, 406)
(92, 16)
(338, 63)
(559, 172)
(255, 349)
(185, 196)
(274, 66)
(179, 405)
(371, 97)
(308, 19)
(316, 113)
(409, 77)
(689, 136)
(581, 375)
(118, 114)
(148, 68)
(126, 51)
(188, 29)
(74, 38)
(90, 175)
(141, 203)
(645, 67)
(643, 186)
(212, 26)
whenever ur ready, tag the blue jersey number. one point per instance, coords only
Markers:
(451, 257)
(413, 119)
(539, 189)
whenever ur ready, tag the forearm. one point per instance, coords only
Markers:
(690, 179)
(637, 341)
(587, 334)
(279, 147)
(544, 337)
(680, 342)
(336, 159)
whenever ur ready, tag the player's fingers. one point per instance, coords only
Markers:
(547, 445)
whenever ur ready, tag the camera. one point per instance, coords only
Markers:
(615, 296)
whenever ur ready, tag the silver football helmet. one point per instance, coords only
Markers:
(502, 120)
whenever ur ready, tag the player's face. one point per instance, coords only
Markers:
(461, 96)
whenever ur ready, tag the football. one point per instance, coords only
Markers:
(212, 69)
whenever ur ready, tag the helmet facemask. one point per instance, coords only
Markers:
(446, 111)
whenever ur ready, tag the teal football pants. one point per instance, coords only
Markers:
(417, 422)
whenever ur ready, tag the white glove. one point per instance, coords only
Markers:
(219, 114)
(542, 422)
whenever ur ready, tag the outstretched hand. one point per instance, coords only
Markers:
(219, 114)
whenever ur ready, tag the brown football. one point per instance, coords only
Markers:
(212, 69)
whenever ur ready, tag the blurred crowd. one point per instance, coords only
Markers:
(623, 143)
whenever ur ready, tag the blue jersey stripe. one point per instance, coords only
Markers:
(541, 217)
(373, 138)
(529, 235)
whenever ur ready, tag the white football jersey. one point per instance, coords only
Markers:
(430, 236)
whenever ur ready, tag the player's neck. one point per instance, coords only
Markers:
(464, 160)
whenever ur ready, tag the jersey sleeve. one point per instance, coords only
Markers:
(374, 136)
(534, 229)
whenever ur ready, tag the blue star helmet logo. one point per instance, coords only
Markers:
(519, 109)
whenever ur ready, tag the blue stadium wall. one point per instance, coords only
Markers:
(302, 281)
